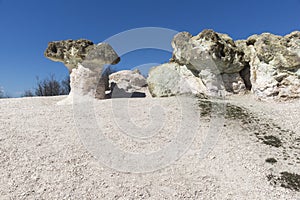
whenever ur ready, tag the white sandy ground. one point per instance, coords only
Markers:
(42, 156)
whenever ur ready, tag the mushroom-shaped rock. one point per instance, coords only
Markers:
(85, 62)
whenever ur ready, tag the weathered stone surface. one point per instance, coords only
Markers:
(130, 81)
(266, 64)
(85, 62)
(69, 52)
(173, 79)
(197, 52)
(233, 83)
(274, 64)
(211, 63)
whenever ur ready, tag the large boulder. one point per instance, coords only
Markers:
(266, 64)
(274, 64)
(197, 52)
(214, 58)
(209, 63)
(128, 83)
(173, 79)
(85, 62)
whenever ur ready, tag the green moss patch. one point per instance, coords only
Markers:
(287, 180)
(272, 141)
(271, 160)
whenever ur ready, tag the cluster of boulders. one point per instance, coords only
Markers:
(209, 64)
(86, 63)
(274, 64)
(213, 64)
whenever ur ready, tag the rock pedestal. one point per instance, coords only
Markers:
(85, 62)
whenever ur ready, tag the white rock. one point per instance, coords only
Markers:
(130, 81)
(173, 79)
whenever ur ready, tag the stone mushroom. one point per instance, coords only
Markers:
(85, 61)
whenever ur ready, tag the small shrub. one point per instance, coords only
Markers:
(52, 87)
(27, 93)
(290, 181)
(2, 94)
(65, 86)
(206, 108)
(272, 141)
(271, 160)
(286, 179)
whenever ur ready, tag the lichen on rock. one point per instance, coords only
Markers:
(69, 52)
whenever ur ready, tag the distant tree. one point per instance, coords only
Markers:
(47, 87)
(52, 87)
(65, 86)
(1, 93)
(27, 93)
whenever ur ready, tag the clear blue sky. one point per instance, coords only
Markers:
(28, 25)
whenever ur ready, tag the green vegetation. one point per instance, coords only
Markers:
(228, 110)
(49, 87)
(290, 180)
(2, 94)
(235, 112)
(264, 130)
(271, 160)
(272, 141)
(286, 179)
(248, 121)
(205, 108)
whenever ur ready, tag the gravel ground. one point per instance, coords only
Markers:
(43, 157)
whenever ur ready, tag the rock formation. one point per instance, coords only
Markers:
(173, 79)
(210, 64)
(85, 62)
(274, 64)
(266, 64)
(128, 83)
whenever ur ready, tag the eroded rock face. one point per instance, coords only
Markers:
(173, 79)
(266, 64)
(274, 64)
(211, 59)
(130, 81)
(69, 52)
(85, 62)
(128, 84)
(196, 51)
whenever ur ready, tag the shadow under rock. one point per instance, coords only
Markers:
(117, 92)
